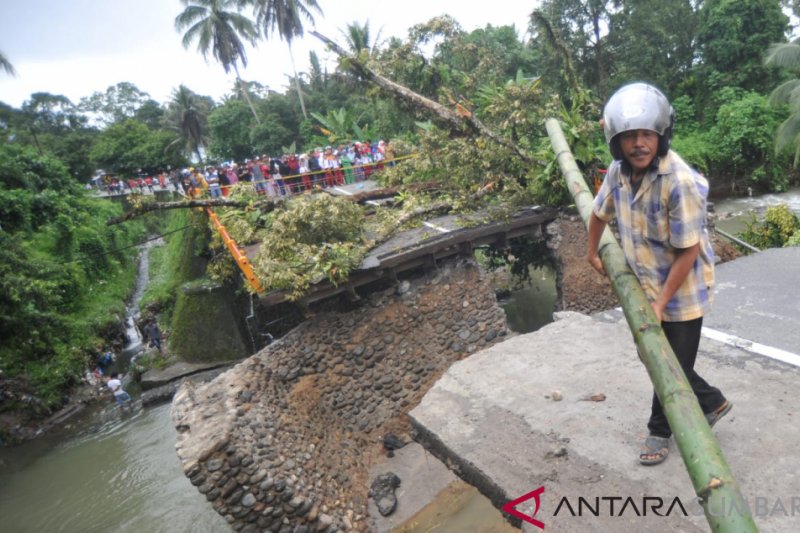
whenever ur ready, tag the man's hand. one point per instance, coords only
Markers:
(596, 227)
(595, 261)
(657, 309)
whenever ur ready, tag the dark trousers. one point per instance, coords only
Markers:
(684, 337)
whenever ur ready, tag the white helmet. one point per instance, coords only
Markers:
(638, 106)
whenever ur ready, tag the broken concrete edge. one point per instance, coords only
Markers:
(150, 383)
(464, 469)
(166, 392)
(186, 414)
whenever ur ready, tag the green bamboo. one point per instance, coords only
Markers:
(716, 488)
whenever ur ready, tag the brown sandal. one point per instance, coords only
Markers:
(714, 416)
(654, 451)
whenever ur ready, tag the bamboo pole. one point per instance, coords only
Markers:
(716, 488)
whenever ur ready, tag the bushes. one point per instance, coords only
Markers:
(780, 228)
(61, 279)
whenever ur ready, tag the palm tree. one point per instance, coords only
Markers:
(220, 31)
(284, 15)
(358, 38)
(187, 115)
(6, 65)
(787, 55)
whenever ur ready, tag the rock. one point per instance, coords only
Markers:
(382, 492)
(392, 442)
(214, 465)
(248, 500)
(557, 396)
(324, 522)
(403, 287)
(258, 476)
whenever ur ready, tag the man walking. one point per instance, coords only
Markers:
(659, 203)
(115, 386)
(153, 333)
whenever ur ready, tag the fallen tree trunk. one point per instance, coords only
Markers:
(269, 204)
(454, 119)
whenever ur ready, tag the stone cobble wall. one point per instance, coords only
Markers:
(282, 442)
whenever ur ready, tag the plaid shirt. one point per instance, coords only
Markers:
(668, 213)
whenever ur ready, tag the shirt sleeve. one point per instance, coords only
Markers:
(603, 205)
(687, 211)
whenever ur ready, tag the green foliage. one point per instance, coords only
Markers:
(315, 237)
(685, 115)
(650, 40)
(695, 148)
(22, 168)
(342, 125)
(779, 228)
(187, 117)
(743, 143)
(128, 146)
(787, 55)
(118, 103)
(794, 240)
(733, 36)
(270, 136)
(63, 275)
(229, 130)
(171, 264)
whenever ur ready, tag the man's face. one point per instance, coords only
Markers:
(639, 147)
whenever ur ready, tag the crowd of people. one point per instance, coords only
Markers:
(271, 176)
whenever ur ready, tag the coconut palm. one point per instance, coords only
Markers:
(787, 55)
(187, 115)
(285, 17)
(6, 65)
(221, 32)
(358, 38)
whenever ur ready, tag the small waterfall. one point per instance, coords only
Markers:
(133, 346)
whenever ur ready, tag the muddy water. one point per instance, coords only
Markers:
(734, 213)
(124, 476)
(531, 306)
(459, 508)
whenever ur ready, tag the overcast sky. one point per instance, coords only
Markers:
(77, 47)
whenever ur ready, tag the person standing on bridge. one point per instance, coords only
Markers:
(659, 203)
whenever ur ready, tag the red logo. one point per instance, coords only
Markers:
(509, 507)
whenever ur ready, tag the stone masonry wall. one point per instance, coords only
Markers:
(282, 442)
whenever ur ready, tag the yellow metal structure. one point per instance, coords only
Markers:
(238, 255)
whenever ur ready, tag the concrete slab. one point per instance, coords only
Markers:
(493, 417)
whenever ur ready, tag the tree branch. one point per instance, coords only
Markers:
(452, 118)
(268, 204)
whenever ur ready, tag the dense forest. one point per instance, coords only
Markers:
(728, 66)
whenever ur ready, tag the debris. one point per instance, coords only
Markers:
(599, 397)
(393, 442)
(382, 492)
(557, 396)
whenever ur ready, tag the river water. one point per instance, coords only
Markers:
(124, 475)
